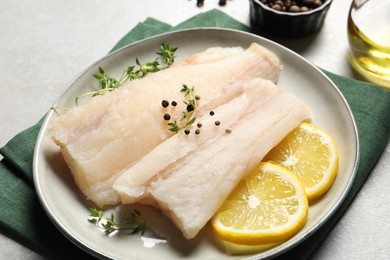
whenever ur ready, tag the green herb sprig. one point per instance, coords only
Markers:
(108, 83)
(188, 116)
(167, 54)
(134, 222)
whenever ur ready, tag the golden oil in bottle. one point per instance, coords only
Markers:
(369, 39)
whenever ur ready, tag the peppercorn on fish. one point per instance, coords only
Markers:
(189, 177)
(110, 133)
(133, 183)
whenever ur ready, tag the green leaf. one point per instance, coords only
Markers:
(185, 114)
(173, 127)
(191, 121)
(98, 76)
(93, 212)
(133, 225)
(167, 54)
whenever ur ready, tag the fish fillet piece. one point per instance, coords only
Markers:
(210, 55)
(110, 133)
(190, 180)
(133, 182)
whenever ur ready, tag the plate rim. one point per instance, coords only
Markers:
(282, 249)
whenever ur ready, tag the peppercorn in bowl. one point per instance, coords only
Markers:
(288, 18)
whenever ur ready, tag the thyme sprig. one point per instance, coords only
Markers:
(134, 222)
(167, 53)
(107, 83)
(188, 116)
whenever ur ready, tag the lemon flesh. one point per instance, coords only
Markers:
(312, 155)
(268, 206)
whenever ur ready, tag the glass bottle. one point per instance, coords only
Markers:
(369, 40)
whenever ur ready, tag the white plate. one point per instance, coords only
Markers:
(68, 209)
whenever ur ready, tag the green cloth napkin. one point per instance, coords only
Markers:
(23, 219)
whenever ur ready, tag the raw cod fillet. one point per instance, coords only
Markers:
(210, 55)
(110, 133)
(133, 183)
(189, 177)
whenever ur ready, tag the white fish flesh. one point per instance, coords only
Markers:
(111, 133)
(189, 177)
(210, 55)
(133, 183)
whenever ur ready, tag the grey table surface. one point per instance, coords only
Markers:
(45, 44)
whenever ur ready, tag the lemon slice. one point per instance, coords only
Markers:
(268, 206)
(312, 155)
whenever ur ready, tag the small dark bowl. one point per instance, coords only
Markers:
(286, 24)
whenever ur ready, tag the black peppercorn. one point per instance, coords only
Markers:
(294, 9)
(190, 108)
(197, 131)
(165, 103)
(222, 2)
(187, 132)
(167, 117)
(211, 113)
(217, 123)
(277, 7)
(293, 6)
(174, 103)
(317, 3)
(304, 9)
